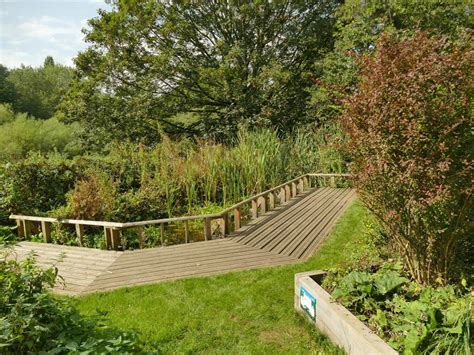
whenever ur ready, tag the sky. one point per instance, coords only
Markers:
(30, 30)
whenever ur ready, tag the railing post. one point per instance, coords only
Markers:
(300, 186)
(186, 232)
(27, 227)
(287, 192)
(80, 234)
(108, 237)
(162, 234)
(225, 224)
(116, 235)
(263, 204)
(237, 218)
(141, 237)
(20, 228)
(306, 184)
(254, 209)
(282, 195)
(293, 189)
(46, 230)
(333, 181)
(271, 201)
(207, 228)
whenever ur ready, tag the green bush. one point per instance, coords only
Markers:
(6, 114)
(32, 320)
(35, 185)
(411, 318)
(23, 134)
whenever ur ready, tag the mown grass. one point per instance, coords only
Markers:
(242, 312)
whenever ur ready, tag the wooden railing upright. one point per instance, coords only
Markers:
(259, 204)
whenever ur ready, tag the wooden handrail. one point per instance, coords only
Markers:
(112, 230)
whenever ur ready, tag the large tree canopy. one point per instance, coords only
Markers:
(198, 67)
(359, 25)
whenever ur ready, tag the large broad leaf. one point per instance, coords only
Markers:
(388, 282)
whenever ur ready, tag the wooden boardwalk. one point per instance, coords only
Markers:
(291, 233)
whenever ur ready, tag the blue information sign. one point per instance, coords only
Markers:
(308, 303)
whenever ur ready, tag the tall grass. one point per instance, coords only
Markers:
(190, 174)
(176, 176)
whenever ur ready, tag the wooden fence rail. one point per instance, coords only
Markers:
(259, 204)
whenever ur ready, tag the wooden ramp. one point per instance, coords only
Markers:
(290, 233)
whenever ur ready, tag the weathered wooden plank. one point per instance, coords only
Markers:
(237, 219)
(288, 229)
(141, 237)
(279, 222)
(254, 209)
(186, 232)
(207, 229)
(80, 234)
(288, 192)
(262, 203)
(46, 230)
(308, 231)
(271, 201)
(225, 224)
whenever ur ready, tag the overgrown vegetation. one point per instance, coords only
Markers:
(174, 177)
(33, 321)
(410, 136)
(21, 134)
(412, 318)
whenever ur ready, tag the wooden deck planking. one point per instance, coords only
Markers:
(288, 234)
(290, 227)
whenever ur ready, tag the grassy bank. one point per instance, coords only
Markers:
(249, 312)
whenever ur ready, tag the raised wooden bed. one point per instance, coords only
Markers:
(334, 320)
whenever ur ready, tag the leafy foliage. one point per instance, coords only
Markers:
(412, 318)
(32, 320)
(359, 24)
(39, 90)
(35, 185)
(21, 134)
(410, 137)
(7, 89)
(214, 64)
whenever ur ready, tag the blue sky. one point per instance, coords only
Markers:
(32, 29)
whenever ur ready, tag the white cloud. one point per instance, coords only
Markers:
(47, 28)
(14, 59)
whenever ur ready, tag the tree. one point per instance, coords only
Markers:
(39, 90)
(359, 25)
(226, 63)
(48, 61)
(7, 89)
(409, 126)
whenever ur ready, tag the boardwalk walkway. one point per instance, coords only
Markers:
(289, 234)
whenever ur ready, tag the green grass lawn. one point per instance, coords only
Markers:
(242, 312)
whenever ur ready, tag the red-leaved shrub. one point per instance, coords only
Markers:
(410, 133)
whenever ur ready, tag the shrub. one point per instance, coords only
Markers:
(35, 185)
(410, 135)
(22, 135)
(6, 113)
(93, 197)
(32, 320)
